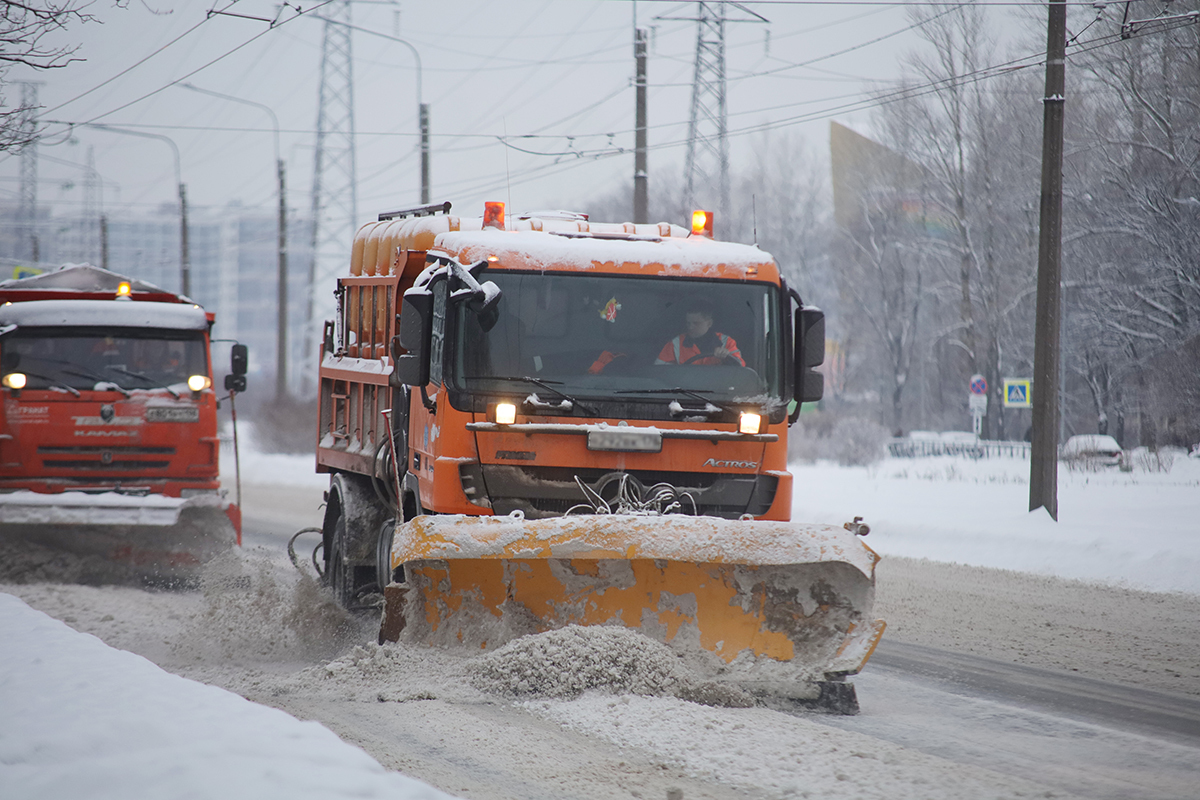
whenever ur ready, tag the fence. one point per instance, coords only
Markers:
(919, 448)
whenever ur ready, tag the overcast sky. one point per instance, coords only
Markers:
(557, 70)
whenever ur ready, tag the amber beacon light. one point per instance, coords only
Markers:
(702, 224)
(493, 215)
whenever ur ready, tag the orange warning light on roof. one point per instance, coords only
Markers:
(702, 223)
(493, 215)
(124, 289)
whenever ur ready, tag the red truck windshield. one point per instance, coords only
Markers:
(596, 336)
(82, 358)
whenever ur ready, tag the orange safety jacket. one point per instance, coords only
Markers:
(676, 352)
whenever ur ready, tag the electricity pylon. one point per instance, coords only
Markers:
(334, 193)
(707, 166)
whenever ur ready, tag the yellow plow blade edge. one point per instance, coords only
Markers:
(790, 592)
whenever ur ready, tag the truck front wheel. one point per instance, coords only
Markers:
(353, 520)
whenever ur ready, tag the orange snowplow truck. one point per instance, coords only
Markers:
(590, 422)
(108, 432)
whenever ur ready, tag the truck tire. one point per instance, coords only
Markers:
(353, 519)
(383, 557)
(340, 581)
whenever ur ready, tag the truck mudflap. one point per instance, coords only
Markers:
(743, 591)
(123, 537)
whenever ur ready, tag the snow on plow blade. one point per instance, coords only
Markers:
(116, 537)
(786, 591)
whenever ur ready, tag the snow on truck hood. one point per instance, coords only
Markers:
(113, 313)
(691, 256)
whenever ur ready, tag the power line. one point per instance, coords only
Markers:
(205, 66)
(137, 64)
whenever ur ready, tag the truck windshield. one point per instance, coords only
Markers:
(81, 358)
(608, 336)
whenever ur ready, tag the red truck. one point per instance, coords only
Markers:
(108, 430)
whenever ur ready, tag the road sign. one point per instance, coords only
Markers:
(978, 384)
(977, 402)
(1018, 393)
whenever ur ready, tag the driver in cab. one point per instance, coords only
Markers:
(700, 344)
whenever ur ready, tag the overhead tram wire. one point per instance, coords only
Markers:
(138, 63)
(206, 65)
(994, 71)
(875, 101)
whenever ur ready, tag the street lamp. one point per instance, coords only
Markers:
(184, 263)
(282, 319)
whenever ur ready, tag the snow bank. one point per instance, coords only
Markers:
(1129, 529)
(84, 720)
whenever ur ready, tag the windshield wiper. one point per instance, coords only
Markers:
(677, 390)
(51, 383)
(90, 373)
(101, 380)
(145, 378)
(538, 382)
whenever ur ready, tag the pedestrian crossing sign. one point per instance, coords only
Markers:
(1018, 393)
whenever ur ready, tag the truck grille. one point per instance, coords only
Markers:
(99, 450)
(543, 492)
(92, 457)
(115, 464)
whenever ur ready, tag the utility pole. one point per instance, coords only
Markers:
(641, 189)
(1043, 461)
(281, 321)
(103, 241)
(424, 117)
(185, 262)
(29, 166)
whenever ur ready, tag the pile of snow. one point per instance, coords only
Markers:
(84, 720)
(567, 662)
(571, 661)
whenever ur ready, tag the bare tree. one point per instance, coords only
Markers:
(1136, 248)
(26, 30)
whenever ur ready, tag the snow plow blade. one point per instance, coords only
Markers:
(118, 538)
(740, 590)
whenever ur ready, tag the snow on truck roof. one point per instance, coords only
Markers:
(82, 278)
(693, 256)
(106, 313)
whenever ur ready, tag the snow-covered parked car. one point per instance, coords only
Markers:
(1093, 448)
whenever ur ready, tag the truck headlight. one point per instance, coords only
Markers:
(506, 413)
(749, 423)
(198, 383)
(15, 380)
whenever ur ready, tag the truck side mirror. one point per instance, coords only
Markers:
(411, 368)
(239, 363)
(809, 342)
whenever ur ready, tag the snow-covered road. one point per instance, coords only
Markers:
(922, 734)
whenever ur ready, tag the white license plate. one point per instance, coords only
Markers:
(626, 441)
(172, 414)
